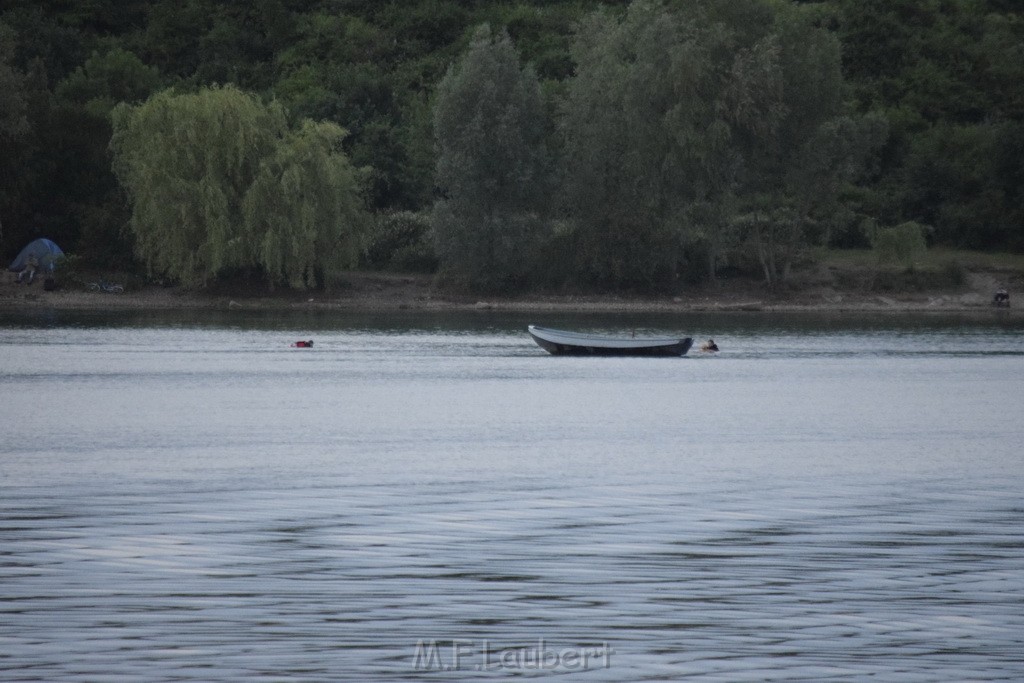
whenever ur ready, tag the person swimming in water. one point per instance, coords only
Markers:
(709, 346)
(303, 344)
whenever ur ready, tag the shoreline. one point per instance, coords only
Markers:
(370, 293)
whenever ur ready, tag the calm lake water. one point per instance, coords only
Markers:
(185, 497)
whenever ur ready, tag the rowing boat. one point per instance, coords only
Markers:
(561, 342)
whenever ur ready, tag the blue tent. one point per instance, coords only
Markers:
(45, 251)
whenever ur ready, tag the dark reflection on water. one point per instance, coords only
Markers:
(197, 501)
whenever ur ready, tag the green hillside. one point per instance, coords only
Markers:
(606, 145)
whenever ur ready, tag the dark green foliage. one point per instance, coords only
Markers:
(400, 241)
(425, 26)
(16, 133)
(947, 74)
(106, 80)
(964, 181)
(94, 204)
(678, 122)
(13, 107)
(47, 169)
(303, 213)
(728, 96)
(186, 162)
(41, 37)
(491, 166)
(220, 183)
(899, 245)
(624, 149)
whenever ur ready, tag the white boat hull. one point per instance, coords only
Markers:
(561, 342)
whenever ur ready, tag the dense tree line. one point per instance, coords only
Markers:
(602, 144)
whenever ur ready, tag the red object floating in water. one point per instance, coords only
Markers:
(303, 344)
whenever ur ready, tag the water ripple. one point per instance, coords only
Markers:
(343, 584)
(201, 505)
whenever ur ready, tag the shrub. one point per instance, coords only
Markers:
(400, 241)
(899, 245)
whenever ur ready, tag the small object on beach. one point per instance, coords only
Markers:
(709, 346)
(303, 344)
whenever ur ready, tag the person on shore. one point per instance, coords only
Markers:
(29, 270)
(709, 346)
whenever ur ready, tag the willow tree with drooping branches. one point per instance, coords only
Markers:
(218, 182)
(303, 211)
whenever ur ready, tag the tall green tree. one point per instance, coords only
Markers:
(785, 105)
(25, 165)
(838, 156)
(13, 107)
(108, 79)
(303, 212)
(946, 74)
(793, 75)
(95, 206)
(13, 113)
(202, 171)
(492, 165)
(186, 162)
(624, 175)
(679, 119)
